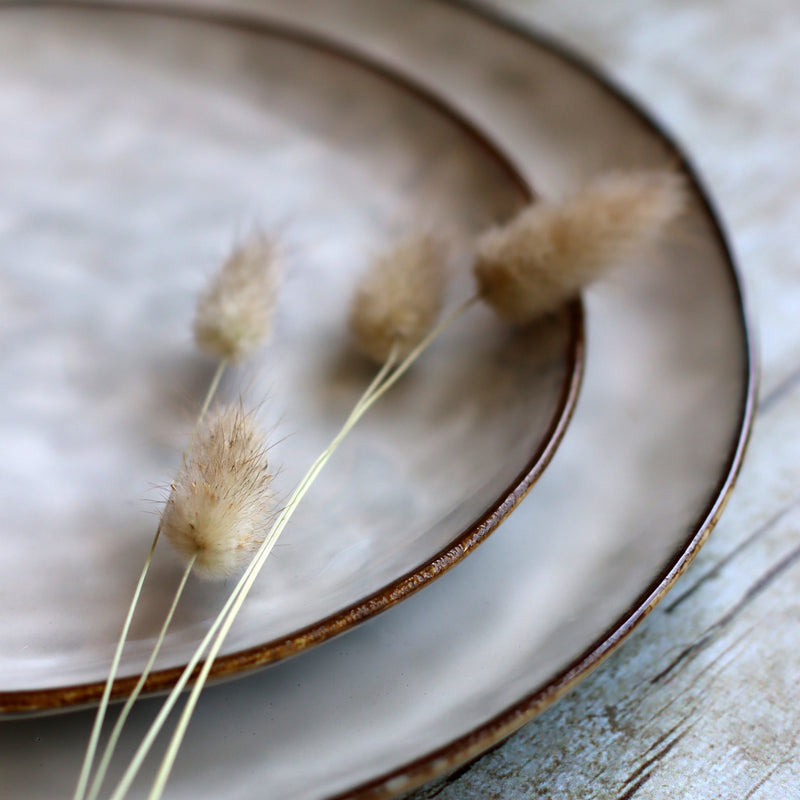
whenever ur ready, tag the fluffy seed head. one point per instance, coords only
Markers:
(550, 251)
(399, 297)
(234, 313)
(221, 502)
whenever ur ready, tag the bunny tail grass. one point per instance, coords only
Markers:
(220, 506)
(158, 723)
(94, 737)
(382, 383)
(398, 299)
(552, 250)
(235, 312)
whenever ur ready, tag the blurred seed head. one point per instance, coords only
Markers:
(550, 251)
(235, 312)
(399, 298)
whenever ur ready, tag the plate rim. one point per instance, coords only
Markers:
(20, 703)
(471, 745)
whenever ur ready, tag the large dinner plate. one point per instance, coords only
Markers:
(642, 476)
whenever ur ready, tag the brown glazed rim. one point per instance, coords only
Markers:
(52, 700)
(469, 746)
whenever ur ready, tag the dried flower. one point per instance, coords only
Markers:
(221, 502)
(550, 251)
(399, 298)
(234, 314)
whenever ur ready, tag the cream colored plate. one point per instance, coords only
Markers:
(135, 148)
(641, 477)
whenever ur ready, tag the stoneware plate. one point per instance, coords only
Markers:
(136, 147)
(643, 474)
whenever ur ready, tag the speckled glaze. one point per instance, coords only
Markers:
(639, 482)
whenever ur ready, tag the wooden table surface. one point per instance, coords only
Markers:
(704, 701)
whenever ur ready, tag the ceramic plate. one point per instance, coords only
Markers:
(135, 147)
(643, 474)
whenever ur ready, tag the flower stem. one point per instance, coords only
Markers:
(212, 390)
(383, 381)
(158, 723)
(117, 730)
(240, 595)
(94, 737)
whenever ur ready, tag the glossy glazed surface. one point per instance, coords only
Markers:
(198, 132)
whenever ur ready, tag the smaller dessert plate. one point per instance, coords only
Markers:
(136, 146)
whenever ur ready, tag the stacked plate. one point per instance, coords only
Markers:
(137, 143)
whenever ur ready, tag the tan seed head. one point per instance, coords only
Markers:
(235, 312)
(550, 251)
(399, 298)
(222, 501)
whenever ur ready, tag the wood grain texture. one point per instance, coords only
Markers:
(704, 701)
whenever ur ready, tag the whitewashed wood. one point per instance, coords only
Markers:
(704, 701)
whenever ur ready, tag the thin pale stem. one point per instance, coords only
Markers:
(216, 379)
(212, 390)
(385, 379)
(376, 390)
(105, 760)
(94, 737)
(158, 723)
